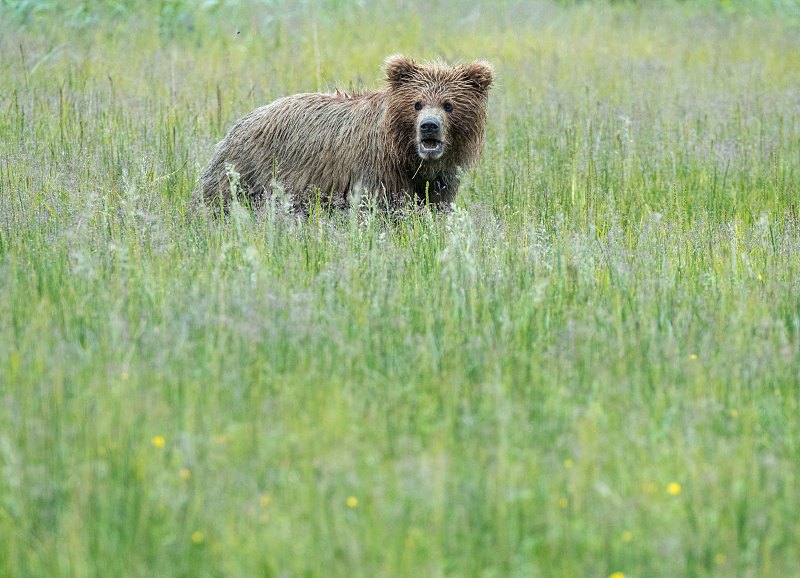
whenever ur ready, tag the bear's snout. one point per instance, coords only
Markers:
(430, 127)
(430, 136)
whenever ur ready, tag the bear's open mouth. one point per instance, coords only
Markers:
(429, 147)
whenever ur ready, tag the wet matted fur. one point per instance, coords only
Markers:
(399, 144)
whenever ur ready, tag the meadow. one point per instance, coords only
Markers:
(590, 367)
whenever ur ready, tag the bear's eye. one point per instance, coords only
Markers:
(447, 107)
(418, 105)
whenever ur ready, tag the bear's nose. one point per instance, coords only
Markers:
(429, 126)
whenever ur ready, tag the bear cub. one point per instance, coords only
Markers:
(398, 145)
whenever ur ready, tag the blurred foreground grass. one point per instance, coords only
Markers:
(591, 366)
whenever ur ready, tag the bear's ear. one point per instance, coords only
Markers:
(480, 74)
(399, 69)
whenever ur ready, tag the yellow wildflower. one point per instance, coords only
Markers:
(352, 502)
(673, 488)
(158, 441)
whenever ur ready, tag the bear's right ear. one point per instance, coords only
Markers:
(399, 69)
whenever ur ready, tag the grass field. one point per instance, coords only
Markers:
(590, 368)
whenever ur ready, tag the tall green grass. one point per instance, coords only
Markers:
(589, 367)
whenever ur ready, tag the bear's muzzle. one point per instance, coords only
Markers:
(430, 138)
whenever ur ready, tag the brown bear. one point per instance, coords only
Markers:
(400, 144)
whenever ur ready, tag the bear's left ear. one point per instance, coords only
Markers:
(480, 74)
(399, 69)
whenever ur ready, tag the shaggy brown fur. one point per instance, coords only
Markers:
(402, 142)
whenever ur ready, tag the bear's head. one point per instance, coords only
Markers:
(436, 113)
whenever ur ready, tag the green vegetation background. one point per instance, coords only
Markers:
(589, 368)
